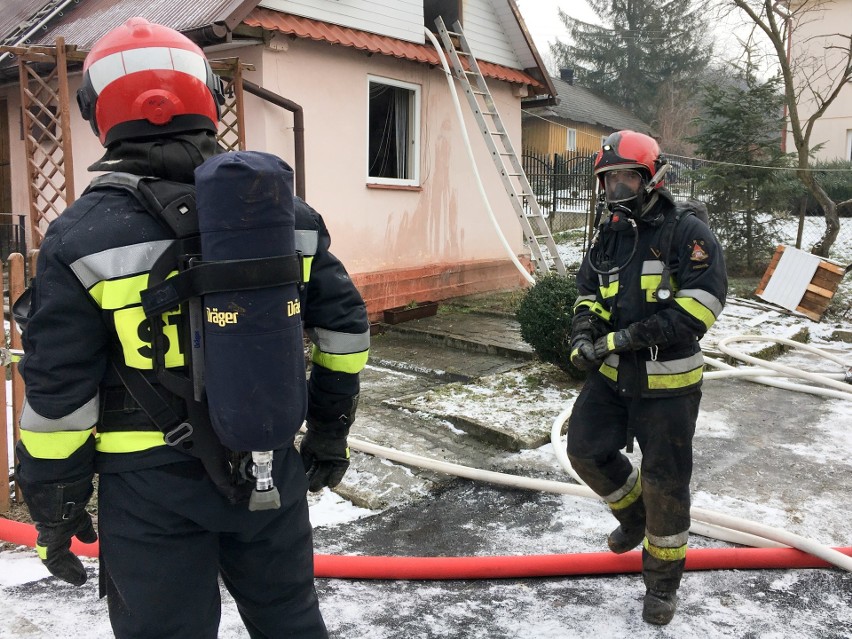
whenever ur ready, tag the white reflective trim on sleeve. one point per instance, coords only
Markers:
(337, 343)
(708, 300)
(118, 262)
(307, 242)
(83, 418)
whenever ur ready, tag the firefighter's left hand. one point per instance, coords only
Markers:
(617, 342)
(326, 458)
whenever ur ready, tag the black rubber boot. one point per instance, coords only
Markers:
(623, 539)
(631, 532)
(659, 607)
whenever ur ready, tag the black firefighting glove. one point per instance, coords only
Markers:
(615, 342)
(585, 327)
(324, 450)
(583, 354)
(59, 513)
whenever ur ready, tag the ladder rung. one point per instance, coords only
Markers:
(499, 133)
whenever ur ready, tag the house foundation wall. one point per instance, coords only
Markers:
(435, 282)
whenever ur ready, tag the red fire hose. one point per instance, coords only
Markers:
(514, 566)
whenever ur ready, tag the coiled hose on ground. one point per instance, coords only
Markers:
(773, 548)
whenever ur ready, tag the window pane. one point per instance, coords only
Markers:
(390, 134)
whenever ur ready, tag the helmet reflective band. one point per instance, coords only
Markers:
(622, 185)
(143, 79)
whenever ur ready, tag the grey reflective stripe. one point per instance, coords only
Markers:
(119, 178)
(83, 418)
(118, 262)
(675, 366)
(607, 280)
(626, 488)
(652, 267)
(584, 298)
(336, 343)
(612, 360)
(307, 242)
(668, 541)
(700, 295)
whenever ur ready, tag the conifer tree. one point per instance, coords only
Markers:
(642, 46)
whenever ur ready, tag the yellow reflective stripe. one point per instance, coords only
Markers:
(610, 290)
(650, 284)
(351, 363)
(134, 332)
(307, 262)
(587, 303)
(632, 495)
(128, 441)
(666, 554)
(600, 311)
(697, 310)
(675, 380)
(608, 371)
(610, 341)
(113, 294)
(60, 444)
(42, 552)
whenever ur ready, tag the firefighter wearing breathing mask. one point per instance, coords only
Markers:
(649, 288)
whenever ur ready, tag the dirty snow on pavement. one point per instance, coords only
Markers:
(733, 458)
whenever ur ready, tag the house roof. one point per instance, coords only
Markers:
(82, 22)
(385, 45)
(579, 104)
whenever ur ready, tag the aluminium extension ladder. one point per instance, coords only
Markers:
(533, 224)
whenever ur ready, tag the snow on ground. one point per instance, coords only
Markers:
(34, 605)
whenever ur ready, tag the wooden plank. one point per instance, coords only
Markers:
(824, 292)
(833, 268)
(769, 270)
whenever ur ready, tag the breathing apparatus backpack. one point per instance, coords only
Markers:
(237, 288)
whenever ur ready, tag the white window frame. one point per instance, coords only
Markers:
(414, 133)
(570, 139)
(849, 145)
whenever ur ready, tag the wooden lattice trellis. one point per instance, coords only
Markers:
(46, 121)
(231, 133)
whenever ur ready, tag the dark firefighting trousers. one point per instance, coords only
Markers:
(664, 428)
(166, 535)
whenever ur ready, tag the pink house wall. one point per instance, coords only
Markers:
(430, 243)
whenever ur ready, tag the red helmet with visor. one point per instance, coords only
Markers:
(143, 80)
(629, 150)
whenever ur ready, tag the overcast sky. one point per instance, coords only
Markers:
(542, 20)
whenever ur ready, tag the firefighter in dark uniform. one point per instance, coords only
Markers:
(166, 533)
(649, 288)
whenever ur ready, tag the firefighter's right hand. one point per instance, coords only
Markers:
(583, 354)
(326, 458)
(54, 546)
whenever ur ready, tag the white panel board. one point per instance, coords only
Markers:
(401, 19)
(789, 282)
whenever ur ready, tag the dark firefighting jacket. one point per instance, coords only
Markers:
(669, 360)
(92, 265)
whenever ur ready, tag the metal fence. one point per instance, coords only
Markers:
(566, 190)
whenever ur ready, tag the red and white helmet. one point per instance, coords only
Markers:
(629, 150)
(143, 79)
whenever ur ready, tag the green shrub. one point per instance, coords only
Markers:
(545, 314)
